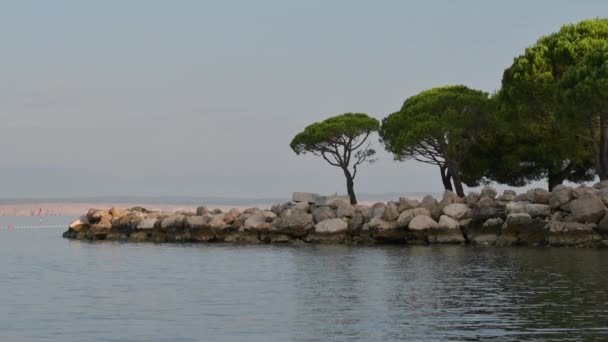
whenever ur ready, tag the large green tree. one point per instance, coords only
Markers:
(342, 141)
(438, 126)
(550, 143)
(584, 93)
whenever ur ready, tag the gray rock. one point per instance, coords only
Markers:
(406, 203)
(539, 196)
(586, 209)
(472, 199)
(377, 210)
(294, 222)
(457, 211)
(345, 210)
(302, 206)
(202, 210)
(323, 213)
(191, 221)
(304, 197)
(488, 192)
(601, 185)
(255, 222)
(561, 195)
(217, 221)
(429, 203)
(518, 220)
(450, 198)
(331, 226)
(538, 210)
(507, 196)
(173, 221)
(422, 222)
(516, 207)
(406, 217)
(447, 222)
(525, 197)
(603, 195)
(331, 200)
(584, 191)
(390, 212)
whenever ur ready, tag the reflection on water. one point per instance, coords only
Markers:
(60, 290)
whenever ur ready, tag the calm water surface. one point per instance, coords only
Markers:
(52, 289)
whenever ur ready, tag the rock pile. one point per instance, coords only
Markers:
(566, 217)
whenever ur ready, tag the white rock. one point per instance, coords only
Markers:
(331, 226)
(448, 223)
(422, 222)
(406, 217)
(456, 211)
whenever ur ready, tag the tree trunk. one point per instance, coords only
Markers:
(555, 178)
(350, 186)
(446, 178)
(454, 171)
(602, 171)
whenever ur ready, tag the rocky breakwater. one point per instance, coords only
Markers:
(566, 217)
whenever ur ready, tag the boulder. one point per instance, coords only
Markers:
(516, 207)
(345, 210)
(406, 217)
(304, 197)
(191, 222)
(294, 222)
(377, 210)
(539, 196)
(447, 222)
(147, 223)
(507, 196)
(173, 221)
(217, 221)
(390, 212)
(457, 211)
(254, 222)
(486, 208)
(561, 195)
(523, 197)
(517, 220)
(202, 210)
(231, 215)
(429, 203)
(603, 195)
(538, 210)
(382, 231)
(586, 209)
(472, 198)
(406, 203)
(332, 226)
(584, 191)
(331, 200)
(601, 185)
(117, 212)
(450, 198)
(571, 234)
(302, 206)
(486, 233)
(79, 225)
(323, 213)
(422, 222)
(488, 192)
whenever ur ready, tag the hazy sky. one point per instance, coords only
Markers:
(203, 97)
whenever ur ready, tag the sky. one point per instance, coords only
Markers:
(201, 98)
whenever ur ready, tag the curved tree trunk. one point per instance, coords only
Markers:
(454, 171)
(446, 178)
(350, 186)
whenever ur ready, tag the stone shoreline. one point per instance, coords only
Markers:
(566, 217)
